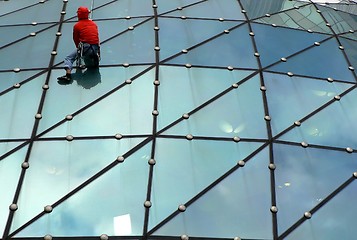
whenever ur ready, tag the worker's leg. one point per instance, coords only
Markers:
(68, 65)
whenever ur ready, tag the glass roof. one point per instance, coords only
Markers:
(217, 119)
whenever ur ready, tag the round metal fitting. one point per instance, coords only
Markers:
(184, 237)
(45, 87)
(157, 48)
(226, 31)
(244, 11)
(147, 204)
(330, 79)
(69, 138)
(128, 81)
(267, 118)
(221, 19)
(185, 116)
(17, 85)
(16, 70)
(237, 238)
(297, 123)
(104, 237)
(179, 8)
(290, 74)
(47, 237)
(341, 47)
(351, 68)
(272, 166)
(351, 31)
(156, 82)
(337, 97)
(296, 7)
(235, 85)
(131, 28)
(318, 11)
(187, 65)
(127, 17)
(307, 215)
(183, 17)
(126, 64)
(120, 159)
(310, 31)
(304, 144)
(155, 112)
(42, 1)
(316, 43)
(274, 209)
(274, 25)
(69, 117)
(236, 139)
(241, 163)
(355, 174)
(38, 116)
(230, 68)
(25, 165)
(65, 1)
(182, 208)
(267, 15)
(184, 51)
(34, 23)
(13, 207)
(48, 209)
(263, 88)
(327, 24)
(189, 137)
(154, 6)
(156, 28)
(118, 136)
(58, 34)
(53, 53)
(283, 59)
(32, 34)
(349, 150)
(256, 54)
(152, 161)
(252, 34)
(63, 13)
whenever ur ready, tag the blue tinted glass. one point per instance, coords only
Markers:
(281, 42)
(304, 177)
(301, 94)
(8, 79)
(164, 5)
(123, 8)
(233, 49)
(340, 21)
(349, 45)
(66, 166)
(242, 115)
(13, 5)
(231, 208)
(336, 220)
(332, 62)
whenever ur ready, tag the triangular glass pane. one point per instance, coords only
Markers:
(322, 170)
(335, 220)
(199, 30)
(303, 18)
(274, 43)
(340, 21)
(6, 7)
(328, 127)
(351, 53)
(234, 207)
(19, 107)
(128, 110)
(349, 35)
(228, 9)
(123, 8)
(233, 49)
(198, 86)
(165, 6)
(330, 59)
(301, 94)
(190, 166)
(239, 112)
(9, 79)
(10, 169)
(66, 166)
(258, 8)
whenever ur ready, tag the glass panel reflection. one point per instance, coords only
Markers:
(123, 8)
(349, 45)
(340, 21)
(9, 79)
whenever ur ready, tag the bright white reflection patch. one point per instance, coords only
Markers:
(228, 128)
(122, 225)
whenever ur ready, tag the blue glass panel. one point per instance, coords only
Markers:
(164, 5)
(20, 107)
(198, 31)
(275, 43)
(110, 114)
(233, 49)
(187, 165)
(232, 208)
(336, 220)
(301, 94)
(327, 127)
(349, 46)
(228, 9)
(123, 8)
(197, 84)
(340, 21)
(8, 79)
(330, 59)
(304, 18)
(349, 35)
(66, 166)
(258, 8)
(238, 113)
(308, 175)
(72, 6)
(10, 169)
(9, 6)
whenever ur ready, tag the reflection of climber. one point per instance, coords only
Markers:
(86, 39)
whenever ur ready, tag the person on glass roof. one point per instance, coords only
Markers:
(86, 39)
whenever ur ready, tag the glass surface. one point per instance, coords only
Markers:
(18, 108)
(10, 169)
(336, 220)
(197, 85)
(13, 5)
(165, 6)
(304, 95)
(327, 127)
(323, 61)
(128, 110)
(234, 207)
(123, 8)
(8, 79)
(227, 9)
(349, 45)
(240, 113)
(64, 167)
(282, 42)
(234, 49)
(305, 177)
(195, 31)
(340, 21)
